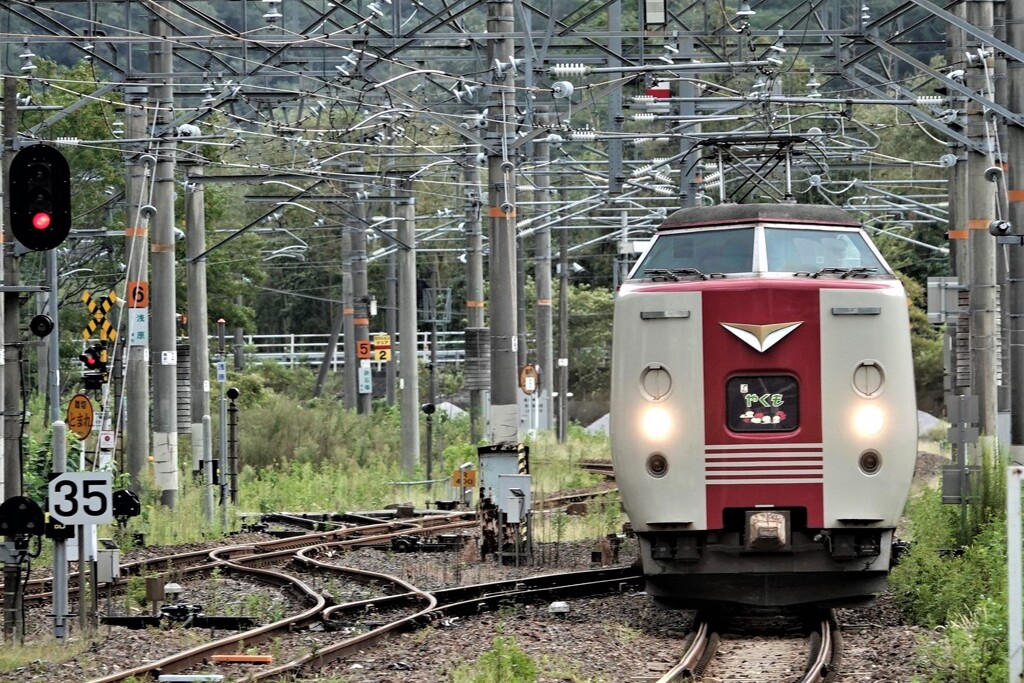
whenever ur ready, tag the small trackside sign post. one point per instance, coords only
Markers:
(82, 498)
(528, 378)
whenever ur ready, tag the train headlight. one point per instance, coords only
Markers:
(869, 420)
(656, 423)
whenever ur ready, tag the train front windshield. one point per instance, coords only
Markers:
(732, 251)
(812, 250)
(708, 251)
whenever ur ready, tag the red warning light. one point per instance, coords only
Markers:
(41, 220)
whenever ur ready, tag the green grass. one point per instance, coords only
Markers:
(954, 581)
(316, 457)
(14, 656)
(505, 662)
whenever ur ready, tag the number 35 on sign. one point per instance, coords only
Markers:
(82, 498)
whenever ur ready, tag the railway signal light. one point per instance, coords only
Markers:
(94, 358)
(90, 357)
(39, 189)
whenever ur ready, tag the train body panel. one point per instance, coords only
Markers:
(856, 497)
(763, 421)
(645, 344)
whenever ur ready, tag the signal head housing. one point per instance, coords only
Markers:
(39, 188)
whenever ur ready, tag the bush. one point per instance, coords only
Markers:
(505, 662)
(955, 578)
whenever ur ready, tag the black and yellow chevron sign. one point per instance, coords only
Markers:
(98, 309)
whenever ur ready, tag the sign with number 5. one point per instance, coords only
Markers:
(82, 498)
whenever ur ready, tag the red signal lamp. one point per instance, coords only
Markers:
(41, 220)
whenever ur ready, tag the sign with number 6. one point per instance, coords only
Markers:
(82, 498)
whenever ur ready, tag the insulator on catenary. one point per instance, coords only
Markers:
(647, 168)
(930, 99)
(582, 135)
(643, 116)
(645, 141)
(711, 177)
(568, 70)
(665, 191)
(642, 171)
(67, 142)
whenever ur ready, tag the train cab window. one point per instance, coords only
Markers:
(791, 250)
(708, 251)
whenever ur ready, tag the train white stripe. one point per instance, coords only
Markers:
(771, 460)
(766, 448)
(778, 464)
(795, 469)
(773, 482)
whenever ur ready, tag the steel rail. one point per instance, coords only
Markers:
(700, 642)
(461, 600)
(39, 590)
(824, 667)
(197, 655)
(317, 612)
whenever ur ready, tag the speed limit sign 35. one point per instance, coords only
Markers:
(82, 498)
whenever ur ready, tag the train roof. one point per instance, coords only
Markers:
(724, 214)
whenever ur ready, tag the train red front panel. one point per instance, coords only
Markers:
(754, 469)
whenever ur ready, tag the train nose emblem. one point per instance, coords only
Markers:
(761, 337)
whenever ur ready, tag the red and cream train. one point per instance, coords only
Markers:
(763, 418)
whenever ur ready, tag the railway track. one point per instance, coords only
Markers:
(371, 532)
(323, 632)
(599, 466)
(326, 619)
(713, 654)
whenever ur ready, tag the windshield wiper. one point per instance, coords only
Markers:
(661, 273)
(674, 274)
(861, 271)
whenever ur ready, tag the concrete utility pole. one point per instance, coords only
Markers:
(502, 211)
(522, 357)
(352, 361)
(615, 118)
(690, 172)
(198, 330)
(474, 276)
(348, 327)
(164, 358)
(341, 324)
(981, 202)
(391, 324)
(1015, 255)
(134, 406)
(360, 289)
(542, 276)
(9, 380)
(408, 369)
(563, 331)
